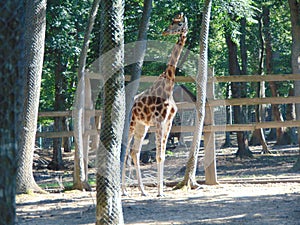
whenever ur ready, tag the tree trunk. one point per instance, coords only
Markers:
(12, 83)
(295, 19)
(83, 113)
(189, 179)
(35, 24)
(80, 176)
(59, 103)
(66, 140)
(289, 134)
(243, 47)
(234, 69)
(227, 142)
(136, 71)
(258, 136)
(57, 161)
(109, 209)
(269, 68)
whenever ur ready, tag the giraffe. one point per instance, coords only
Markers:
(156, 107)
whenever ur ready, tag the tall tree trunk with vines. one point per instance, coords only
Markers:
(189, 179)
(35, 23)
(109, 209)
(80, 176)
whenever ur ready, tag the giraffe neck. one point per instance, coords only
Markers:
(164, 85)
(176, 52)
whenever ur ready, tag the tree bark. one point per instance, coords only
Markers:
(295, 20)
(189, 179)
(12, 85)
(243, 47)
(109, 209)
(80, 177)
(258, 136)
(234, 69)
(35, 24)
(59, 103)
(269, 67)
(66, 140)
(227, 142)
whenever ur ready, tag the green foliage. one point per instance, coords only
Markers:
(66, 23)
(282, 38)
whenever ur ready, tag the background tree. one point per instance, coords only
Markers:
(12, 84)
(235, 15)
(66, 22)
(295, 20)
(258, 136)
(239, 116)
(82, 141)
(190, 173)
(269, 65)
(277, 29)
(35, 24)
(109, 210)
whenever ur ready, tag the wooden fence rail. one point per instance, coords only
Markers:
(211, 103)
(209, 128)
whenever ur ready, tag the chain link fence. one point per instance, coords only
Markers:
(109, 210)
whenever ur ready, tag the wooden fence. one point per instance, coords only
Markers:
(209, 128)
(211, 102)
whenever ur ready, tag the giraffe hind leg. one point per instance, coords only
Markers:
(141, 131)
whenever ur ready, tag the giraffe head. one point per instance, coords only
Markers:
(179, 25)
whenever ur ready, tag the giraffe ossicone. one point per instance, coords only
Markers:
(155, 107)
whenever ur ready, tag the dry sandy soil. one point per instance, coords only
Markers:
(277, 203)
(257, 191)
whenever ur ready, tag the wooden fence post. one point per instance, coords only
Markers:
(209, 136)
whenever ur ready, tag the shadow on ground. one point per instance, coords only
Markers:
(264, 209)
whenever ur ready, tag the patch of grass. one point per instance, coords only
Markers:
(169, 153)
(56, 185)
(92, 181)
(66, 185)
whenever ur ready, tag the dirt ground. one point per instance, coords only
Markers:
(262, 190)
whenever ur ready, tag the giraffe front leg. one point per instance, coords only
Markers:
(160, 175)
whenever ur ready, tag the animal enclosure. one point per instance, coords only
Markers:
(210, 127)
